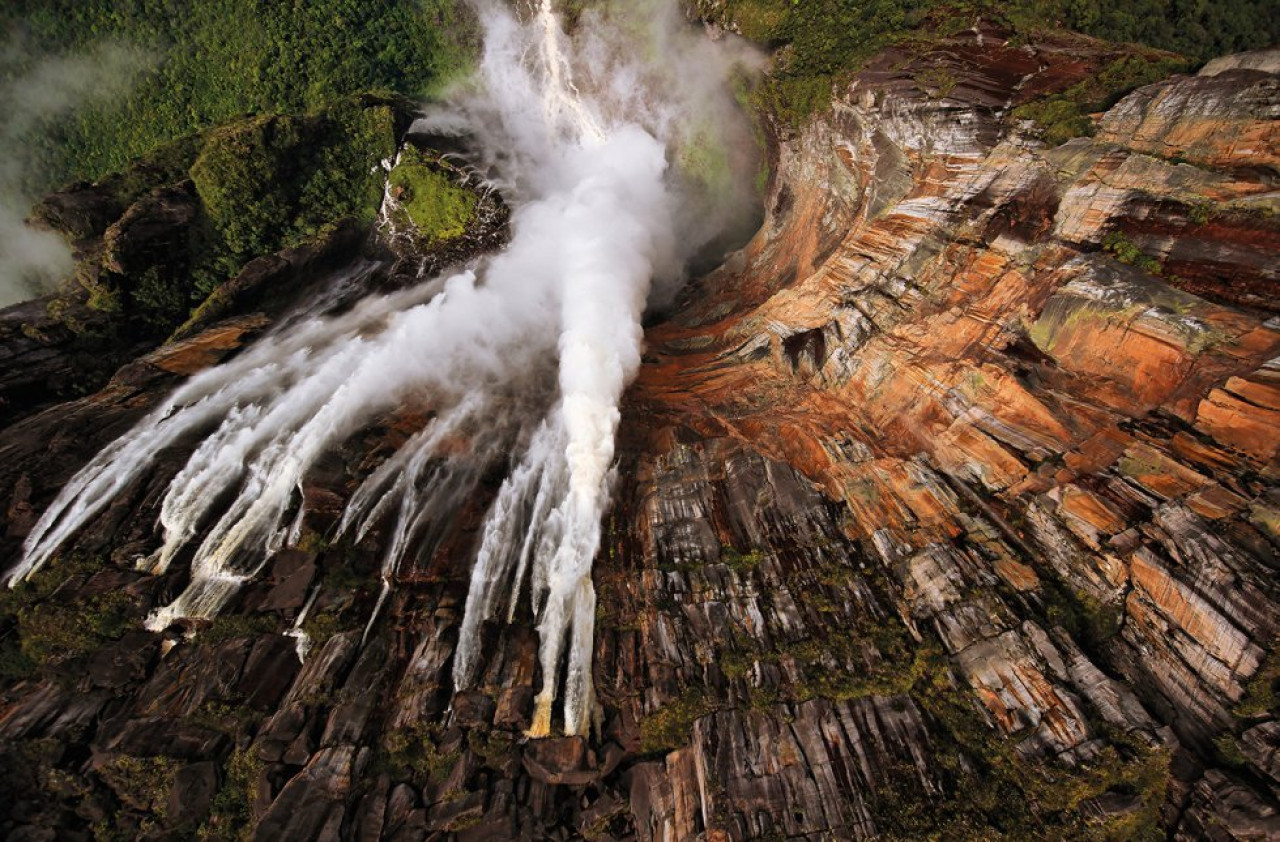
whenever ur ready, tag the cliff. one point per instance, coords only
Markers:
(948, 505)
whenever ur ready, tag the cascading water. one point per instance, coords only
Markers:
(528, 353)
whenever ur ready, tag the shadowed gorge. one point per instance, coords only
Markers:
(945, 507)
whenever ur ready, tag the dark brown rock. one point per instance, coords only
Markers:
(269, 671)
(292, 573)
(50, 710)
(311, 805)
(473, 710)
(192, 675)
(194, 788)
(79, 211)
(124, 662)
(270, 282)
(159, 737)
(152, 232)
(358, 699)
(561, 761)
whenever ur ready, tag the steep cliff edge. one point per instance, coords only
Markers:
(1060, 460)
(947, 506)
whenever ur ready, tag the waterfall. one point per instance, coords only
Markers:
(521, 358)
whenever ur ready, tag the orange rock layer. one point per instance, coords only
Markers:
(928, 328)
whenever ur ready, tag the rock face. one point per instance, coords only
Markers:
(949, 506)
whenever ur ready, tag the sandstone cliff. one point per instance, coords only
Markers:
(949, 505)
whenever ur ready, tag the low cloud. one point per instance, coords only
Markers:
(35, 92)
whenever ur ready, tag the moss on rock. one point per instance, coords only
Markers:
(438, 209)
(1061, 116)
(48, 624)
(272, 181)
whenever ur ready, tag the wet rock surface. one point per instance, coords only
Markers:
(935, 515)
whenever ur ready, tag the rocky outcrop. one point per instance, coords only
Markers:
(79, 211)
(152, 231)
(38, 356)
(948, 506)
(274, 281)
(998, 373)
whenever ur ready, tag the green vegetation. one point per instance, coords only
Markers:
(411, 754)
(306, 154)
(824, 662)
(45, 624)
(1201, 213)
(321, 626)
(1197, 30)
(741, 562)
(236, 176)
(231, 814)
(989, 789)
(1227, 746)
(1065, 115)
(888, 677)
(981, 786)
(993, 792)
(702, 157)
(669, 727)
(1260, 699)
(226, 627)
(218, 59)
(438, 209)
(495, 748)
(1088, 621)
(824, 40)
(1260, 694)
(54, 633)
(937, 82)
(234, 720)
(270, 182)
(257, 185)
(1127, 252)
(142, 783)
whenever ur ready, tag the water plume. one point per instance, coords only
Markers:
(520, 359)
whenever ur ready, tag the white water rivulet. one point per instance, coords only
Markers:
(523, 357)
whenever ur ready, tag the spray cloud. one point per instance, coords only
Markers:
(526, 353)
(34, 92)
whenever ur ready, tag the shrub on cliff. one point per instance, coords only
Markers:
(1062, 116)
(268, 182)
(46, 622)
